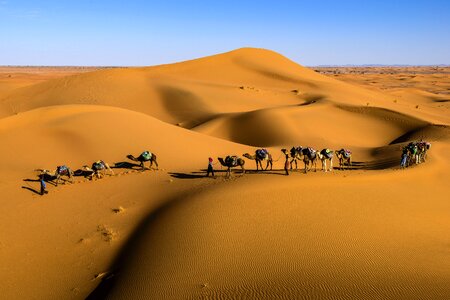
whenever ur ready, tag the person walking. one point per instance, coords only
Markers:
(286, 163)
(210, 167)
(43, 185)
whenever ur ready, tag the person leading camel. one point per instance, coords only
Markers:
(287, 164)
(43, 185)
(210, 167)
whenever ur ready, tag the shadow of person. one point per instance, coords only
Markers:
(31, 189)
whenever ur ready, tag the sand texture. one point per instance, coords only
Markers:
(372, 231)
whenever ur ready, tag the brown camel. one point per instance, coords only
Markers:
(324, 155)
(259, 156)
(309, 157)
(344, 156)
(96, 169)
(232, 161)
(58, 173)
(145, 156)
(296, 154)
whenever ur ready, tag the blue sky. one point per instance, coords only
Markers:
(120, 33)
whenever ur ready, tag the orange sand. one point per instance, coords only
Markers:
(373, 232)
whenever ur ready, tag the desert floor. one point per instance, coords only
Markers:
(372, 231)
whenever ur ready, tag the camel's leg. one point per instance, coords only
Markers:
(156, 163)
(331, 164)
(57, 179)
(109, 169)
(243, 170)
(306, 166)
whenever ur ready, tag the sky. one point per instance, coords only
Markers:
(141, 33)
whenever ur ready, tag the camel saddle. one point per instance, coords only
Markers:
(98, 165)
(231, 160)
(327, 153)
(262, 153)
(347, 153)
(62, 169)
(146, 155)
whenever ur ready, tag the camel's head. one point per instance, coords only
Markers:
(247, 155)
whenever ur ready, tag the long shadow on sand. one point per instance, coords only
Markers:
(125, 165)
(31, 189)
(202, 173)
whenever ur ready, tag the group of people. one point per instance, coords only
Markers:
(414, 153)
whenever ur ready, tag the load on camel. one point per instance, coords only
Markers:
(259, 156)
(232, 161)
(345, 157)
(97, 168)
(144, 157)
(58, 173)
(324, 156)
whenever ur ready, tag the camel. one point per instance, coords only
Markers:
(296, 154)
(59, 172)
(231, 162)
(145, 156)
(309, 157)
(324, 155)
(259, 156)
(345, 157)
(98, 166)
(413, 153)
(422, 150)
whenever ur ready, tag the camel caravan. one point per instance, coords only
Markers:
(98, 169)
(412, 154)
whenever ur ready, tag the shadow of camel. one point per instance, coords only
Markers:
(47, 178)
(125, 165)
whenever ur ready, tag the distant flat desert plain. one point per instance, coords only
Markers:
(371, 230)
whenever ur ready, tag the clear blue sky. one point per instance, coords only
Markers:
(311, 32)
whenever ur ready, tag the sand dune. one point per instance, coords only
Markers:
(370, 232)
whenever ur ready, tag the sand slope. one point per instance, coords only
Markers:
(373, 232)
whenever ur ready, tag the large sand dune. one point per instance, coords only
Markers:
(372, 232)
